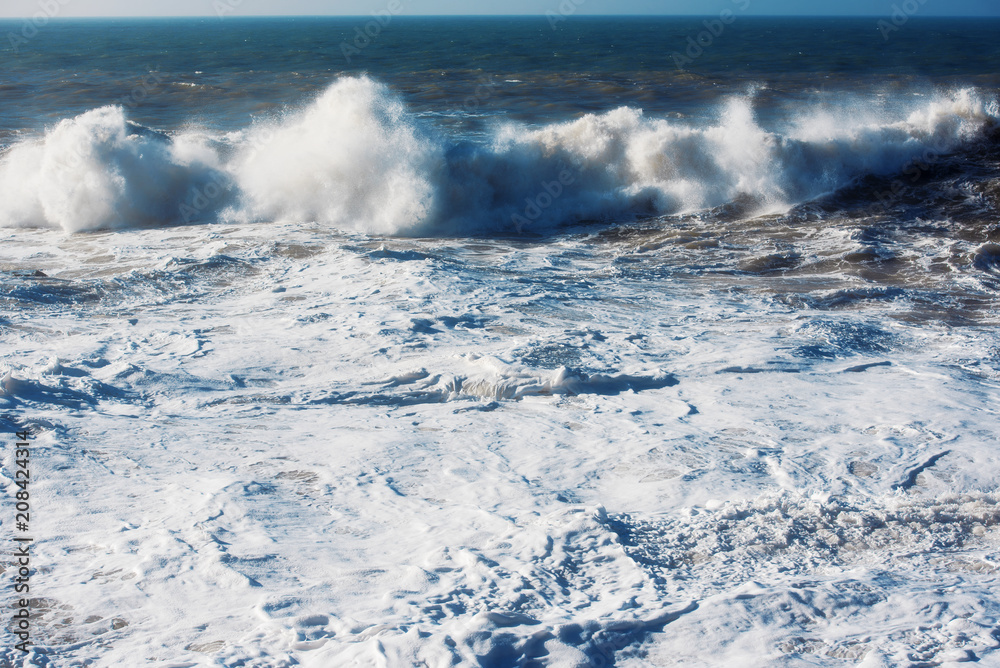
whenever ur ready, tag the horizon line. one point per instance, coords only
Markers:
(485, 16)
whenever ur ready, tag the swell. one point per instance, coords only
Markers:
(357, 159)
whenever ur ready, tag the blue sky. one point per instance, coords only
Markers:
(19, 8)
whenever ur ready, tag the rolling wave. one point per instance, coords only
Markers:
(358, 160)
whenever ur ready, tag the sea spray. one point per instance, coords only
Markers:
(99, 171)
(357, 159)
(354, 158)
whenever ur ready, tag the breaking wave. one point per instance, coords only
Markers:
(357, 160)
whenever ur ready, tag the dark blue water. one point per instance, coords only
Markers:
(512, 126)
(223, 71)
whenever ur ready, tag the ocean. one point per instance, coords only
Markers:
(535, 341)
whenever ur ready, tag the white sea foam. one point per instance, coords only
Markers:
(291, 447)
(357, 160)
(99, 171)
(486, 377)
(354, 159)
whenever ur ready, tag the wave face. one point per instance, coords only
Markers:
(99, 171)
(354, 159)
(357, 160)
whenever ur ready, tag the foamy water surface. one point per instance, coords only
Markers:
(373, 370)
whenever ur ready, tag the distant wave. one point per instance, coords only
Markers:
(356, 159)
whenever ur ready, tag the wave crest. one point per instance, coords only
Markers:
(356, 159)
(99, 171)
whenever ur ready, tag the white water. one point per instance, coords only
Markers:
(273, 445)
(355, 159)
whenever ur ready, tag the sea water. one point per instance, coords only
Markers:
(562, 340)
